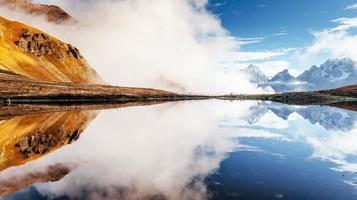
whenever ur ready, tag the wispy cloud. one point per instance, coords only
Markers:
(246, 56)
(273, 67)
(247, 41)
(344, 24)
(338, 41)
(352, 7)
(280, 34)
(218, 4)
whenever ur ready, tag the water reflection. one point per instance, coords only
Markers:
(330, 118)
(27, 138)
(206, 150)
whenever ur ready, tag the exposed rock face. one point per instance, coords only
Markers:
(53, 13)
(38, 44)
(38, 56)
(41, 44)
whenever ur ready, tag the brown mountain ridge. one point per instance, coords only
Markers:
(53, 13)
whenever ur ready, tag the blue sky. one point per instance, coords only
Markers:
(278, 25)
(283, 23)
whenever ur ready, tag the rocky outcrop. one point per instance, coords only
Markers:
(37, 44)
(41, 44)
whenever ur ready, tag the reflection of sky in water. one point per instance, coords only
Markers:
(198, 150)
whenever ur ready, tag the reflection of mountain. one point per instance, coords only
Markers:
(328, 117)
(27, 138)
(256, 112)
(29, 132)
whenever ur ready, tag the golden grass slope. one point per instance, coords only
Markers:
(34, 54)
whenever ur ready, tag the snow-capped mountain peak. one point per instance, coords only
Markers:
(331, 74)
(256, 75)
(283, 76)
(337, 68)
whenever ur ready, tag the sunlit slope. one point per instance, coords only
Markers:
(34, 54)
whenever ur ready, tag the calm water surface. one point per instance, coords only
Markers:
(206, 150)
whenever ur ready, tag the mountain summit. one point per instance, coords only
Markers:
(332, 73)
(53, 13)
(256, 75)
(283, 76)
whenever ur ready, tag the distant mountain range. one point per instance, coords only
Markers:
(331, 74)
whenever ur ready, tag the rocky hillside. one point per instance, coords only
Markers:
(34, 54)
(349, 91)
(53, 13)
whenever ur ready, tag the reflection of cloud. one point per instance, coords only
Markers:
(333, 140)
(146, 151)
(270, 120)
(337, 148)
(169, 149)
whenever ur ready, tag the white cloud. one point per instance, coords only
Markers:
(352, 7)
(344, 24)
(245, 56)
(282, 33)
(335, 42)
(218, 4)
(247, 41)
(273, 67)
(156, 44)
